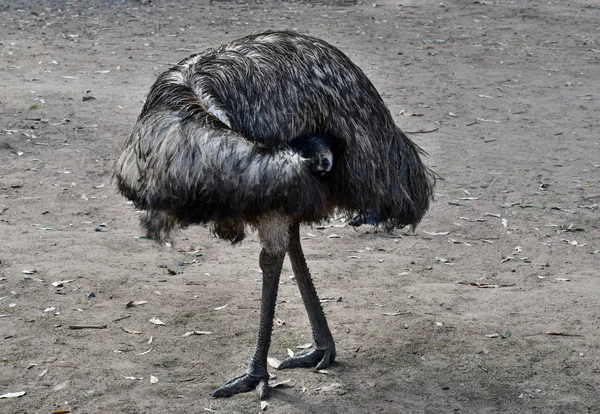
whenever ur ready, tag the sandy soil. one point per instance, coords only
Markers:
(511, 92)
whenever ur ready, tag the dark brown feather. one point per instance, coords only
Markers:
(215, 141)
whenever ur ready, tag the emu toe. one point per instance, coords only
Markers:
(242, 384)
(313, 358)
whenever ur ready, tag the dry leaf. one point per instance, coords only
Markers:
(494, 335)
(145, 352)
(263, 405)
(61, 282)
(305, 346)
(492, 215)
(190, 249)
(133, 378)
(320, 371)
(222, 307)
(13, 394)
(572, 242)
(290, 352)
(562, 209)
(282, 383)
(185, 335)
(334, 236)
(131, 331)
(135, 303)
(156, 321)
(433, 233)
(336, 299)
(484, 285)
(473, 220)
(274, 362)
(29, 271)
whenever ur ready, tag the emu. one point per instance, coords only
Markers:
(271, 131)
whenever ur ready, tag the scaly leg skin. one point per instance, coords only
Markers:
(324, 351)
(257, 376)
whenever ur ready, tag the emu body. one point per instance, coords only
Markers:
(273, 130)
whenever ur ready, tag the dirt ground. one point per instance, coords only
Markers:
(491, 306)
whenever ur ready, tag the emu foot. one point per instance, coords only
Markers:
(314, 358)
(242, 384)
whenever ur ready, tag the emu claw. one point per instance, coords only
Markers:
(315, 358)
(242, 384)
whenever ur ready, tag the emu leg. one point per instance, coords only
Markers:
(257, 375)
(324, 351)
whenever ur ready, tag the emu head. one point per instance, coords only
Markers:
(318, 151)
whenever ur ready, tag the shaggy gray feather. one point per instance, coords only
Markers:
(220, 139)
